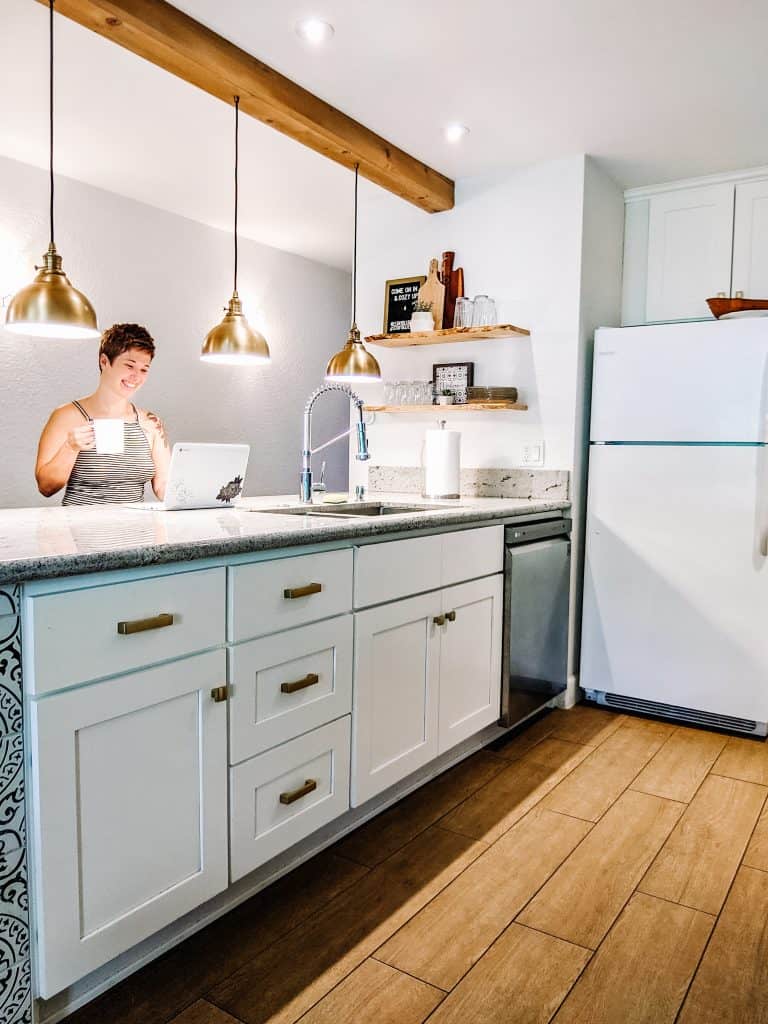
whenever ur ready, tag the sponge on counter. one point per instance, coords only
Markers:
(335, 499)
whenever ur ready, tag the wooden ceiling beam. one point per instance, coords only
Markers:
(172, 40)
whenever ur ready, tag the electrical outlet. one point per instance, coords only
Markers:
(533, 453)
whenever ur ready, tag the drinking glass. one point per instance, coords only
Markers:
(389, 393)
(462, 316)
(484, 312)
(425, 392)
(398, 393)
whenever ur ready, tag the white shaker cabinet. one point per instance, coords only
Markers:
(750, 240)
(130, 811)
(427, 676)
(395, 709)
(470, 659)
(690, 234)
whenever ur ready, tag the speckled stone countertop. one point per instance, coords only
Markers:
(40, 543)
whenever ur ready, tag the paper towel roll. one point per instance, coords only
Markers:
(442, 455)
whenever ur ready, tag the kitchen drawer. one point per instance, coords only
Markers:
(401, 568)
(470, 554)
(397, 568)
(287, 684)
(266, 597)
(74, 635)
(286, 794)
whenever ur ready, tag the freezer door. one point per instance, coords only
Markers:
(681, 382)
(676, 577)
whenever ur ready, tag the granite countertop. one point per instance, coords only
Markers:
(39, 543)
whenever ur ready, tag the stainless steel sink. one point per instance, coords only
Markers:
(348, 510)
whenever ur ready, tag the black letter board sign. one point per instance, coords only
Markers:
(399, 297)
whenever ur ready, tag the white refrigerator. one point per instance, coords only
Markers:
(675, 619)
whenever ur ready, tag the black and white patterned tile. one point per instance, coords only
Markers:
(12, 830)
(15, 992)
(15, 984)
(10, 661)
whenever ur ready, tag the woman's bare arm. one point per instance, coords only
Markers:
(64, 436)
(161, 452)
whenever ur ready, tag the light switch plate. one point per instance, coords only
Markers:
(533, 453)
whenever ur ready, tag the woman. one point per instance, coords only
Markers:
(67, 456)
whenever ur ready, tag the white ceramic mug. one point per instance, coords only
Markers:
(109, 436)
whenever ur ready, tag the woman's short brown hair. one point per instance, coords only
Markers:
(120, 337)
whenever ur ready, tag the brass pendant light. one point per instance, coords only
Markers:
(354, 361)
(50, 307)
(234, 341)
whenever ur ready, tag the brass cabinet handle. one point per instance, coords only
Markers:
(439, 620)
(300, 684)
(140, 625)
(297, 794)
(219, 693)
(451, 616)
(291, 593)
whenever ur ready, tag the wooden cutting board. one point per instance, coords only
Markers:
(433, 291)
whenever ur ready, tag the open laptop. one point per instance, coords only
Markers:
(202, 476)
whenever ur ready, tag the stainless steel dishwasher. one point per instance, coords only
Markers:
(537, 570)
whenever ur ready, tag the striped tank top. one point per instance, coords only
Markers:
(108, 479)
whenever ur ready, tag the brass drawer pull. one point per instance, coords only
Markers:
(140, 625)
(219, 693)
(291, 593)
(300, 684)
(297, 794)
(451, 616)
(439, 620)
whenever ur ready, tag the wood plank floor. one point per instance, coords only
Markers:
(594, 868)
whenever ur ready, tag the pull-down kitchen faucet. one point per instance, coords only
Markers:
(305, 480)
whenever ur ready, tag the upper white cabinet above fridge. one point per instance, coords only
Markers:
(689, 251)
(750, 240)
(687, 242)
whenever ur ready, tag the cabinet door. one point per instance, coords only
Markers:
(750, 240)
(394, 731)
(129, 811)
(470, 659)
(689, 251)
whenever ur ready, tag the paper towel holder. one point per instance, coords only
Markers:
(431, 493)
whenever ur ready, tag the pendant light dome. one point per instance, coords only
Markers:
(234, 341)
(354, 361)
(51, 307)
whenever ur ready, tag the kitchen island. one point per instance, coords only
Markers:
(315, 669)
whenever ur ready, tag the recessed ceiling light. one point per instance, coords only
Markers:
(314, 31)
(455, 132)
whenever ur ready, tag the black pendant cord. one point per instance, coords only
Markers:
(237, 161)
(50, 97)
(354, 256)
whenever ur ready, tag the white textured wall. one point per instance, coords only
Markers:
(138, 263)
(518, 237)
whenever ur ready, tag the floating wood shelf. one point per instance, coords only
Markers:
(440, 409)
(446, 337)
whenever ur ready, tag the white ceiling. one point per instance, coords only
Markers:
(655, 90)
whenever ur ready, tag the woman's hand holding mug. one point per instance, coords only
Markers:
(82, 439)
